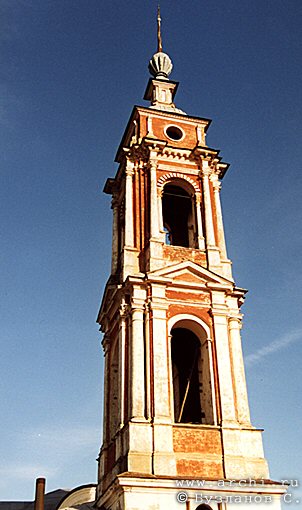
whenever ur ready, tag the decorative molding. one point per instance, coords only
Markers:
(191, 322)
(187, 119)
(137, 153)
(114, 201)
(175, 153)
(205, 172)
(216, 185)
(152, 164)
(237, 319)
(124, 310)
(177, 175)
(129, 170)
(188, 166)
(198, 197)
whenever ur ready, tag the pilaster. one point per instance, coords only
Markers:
(105, 344)
(224, 371)
(130, 252)
(163, 455)
(154, 225)
(129, 172)
(158, 307)
(212, 250)
(242, 405)
(226, 263)
(115, 226)
(137, 358)
(155, 252)
(200, 236)
(123, 313)
(212, 379)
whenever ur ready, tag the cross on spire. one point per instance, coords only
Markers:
(160, 66)
(159, 39)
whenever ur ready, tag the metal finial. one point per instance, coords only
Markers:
(159, 39)
(160, 65)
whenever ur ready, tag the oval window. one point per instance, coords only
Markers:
(174, 132)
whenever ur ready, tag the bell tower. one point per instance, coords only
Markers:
(175, 399)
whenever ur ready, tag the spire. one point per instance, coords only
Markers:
(160, 66)
(159, 39)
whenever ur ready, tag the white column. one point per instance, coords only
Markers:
(171, 386)
(242, 405)
(163, 454)
(154, 230)
(129, 235)
(137, 364)
(121, 372)
(210, 236)
(200, 237)
(105, 343)
(115, 226)
(221, 237)
(148, 362)
(160, 364)
(213, 392)
(160, 209)
(224, 369)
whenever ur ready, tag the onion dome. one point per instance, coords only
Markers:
(160, 66)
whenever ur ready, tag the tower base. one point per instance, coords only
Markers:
(129, 492)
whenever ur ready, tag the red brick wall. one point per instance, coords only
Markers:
(207, 443)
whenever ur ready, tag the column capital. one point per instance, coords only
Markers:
(106, 344)
(160, 192)
(114, 201)
(136, 153)
(154, 147)
(235, 320)
(137, 306)
(152, 164)
(124, 310)
(163, 307)
(205, 172)
(214, 178)
(129, 169)
(207, 341)
(198, 198)
(216, 185)
(218, 313)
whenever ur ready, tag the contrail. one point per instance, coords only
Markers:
(274, 346)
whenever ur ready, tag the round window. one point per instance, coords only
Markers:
(174, 132)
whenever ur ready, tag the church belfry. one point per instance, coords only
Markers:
(175, 398)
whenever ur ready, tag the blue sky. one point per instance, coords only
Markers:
(71, 70)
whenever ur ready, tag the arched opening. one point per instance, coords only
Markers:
(192, 376)
(178, 216)
(185, 350)
(203, 506)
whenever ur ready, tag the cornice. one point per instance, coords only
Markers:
(181, 116)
